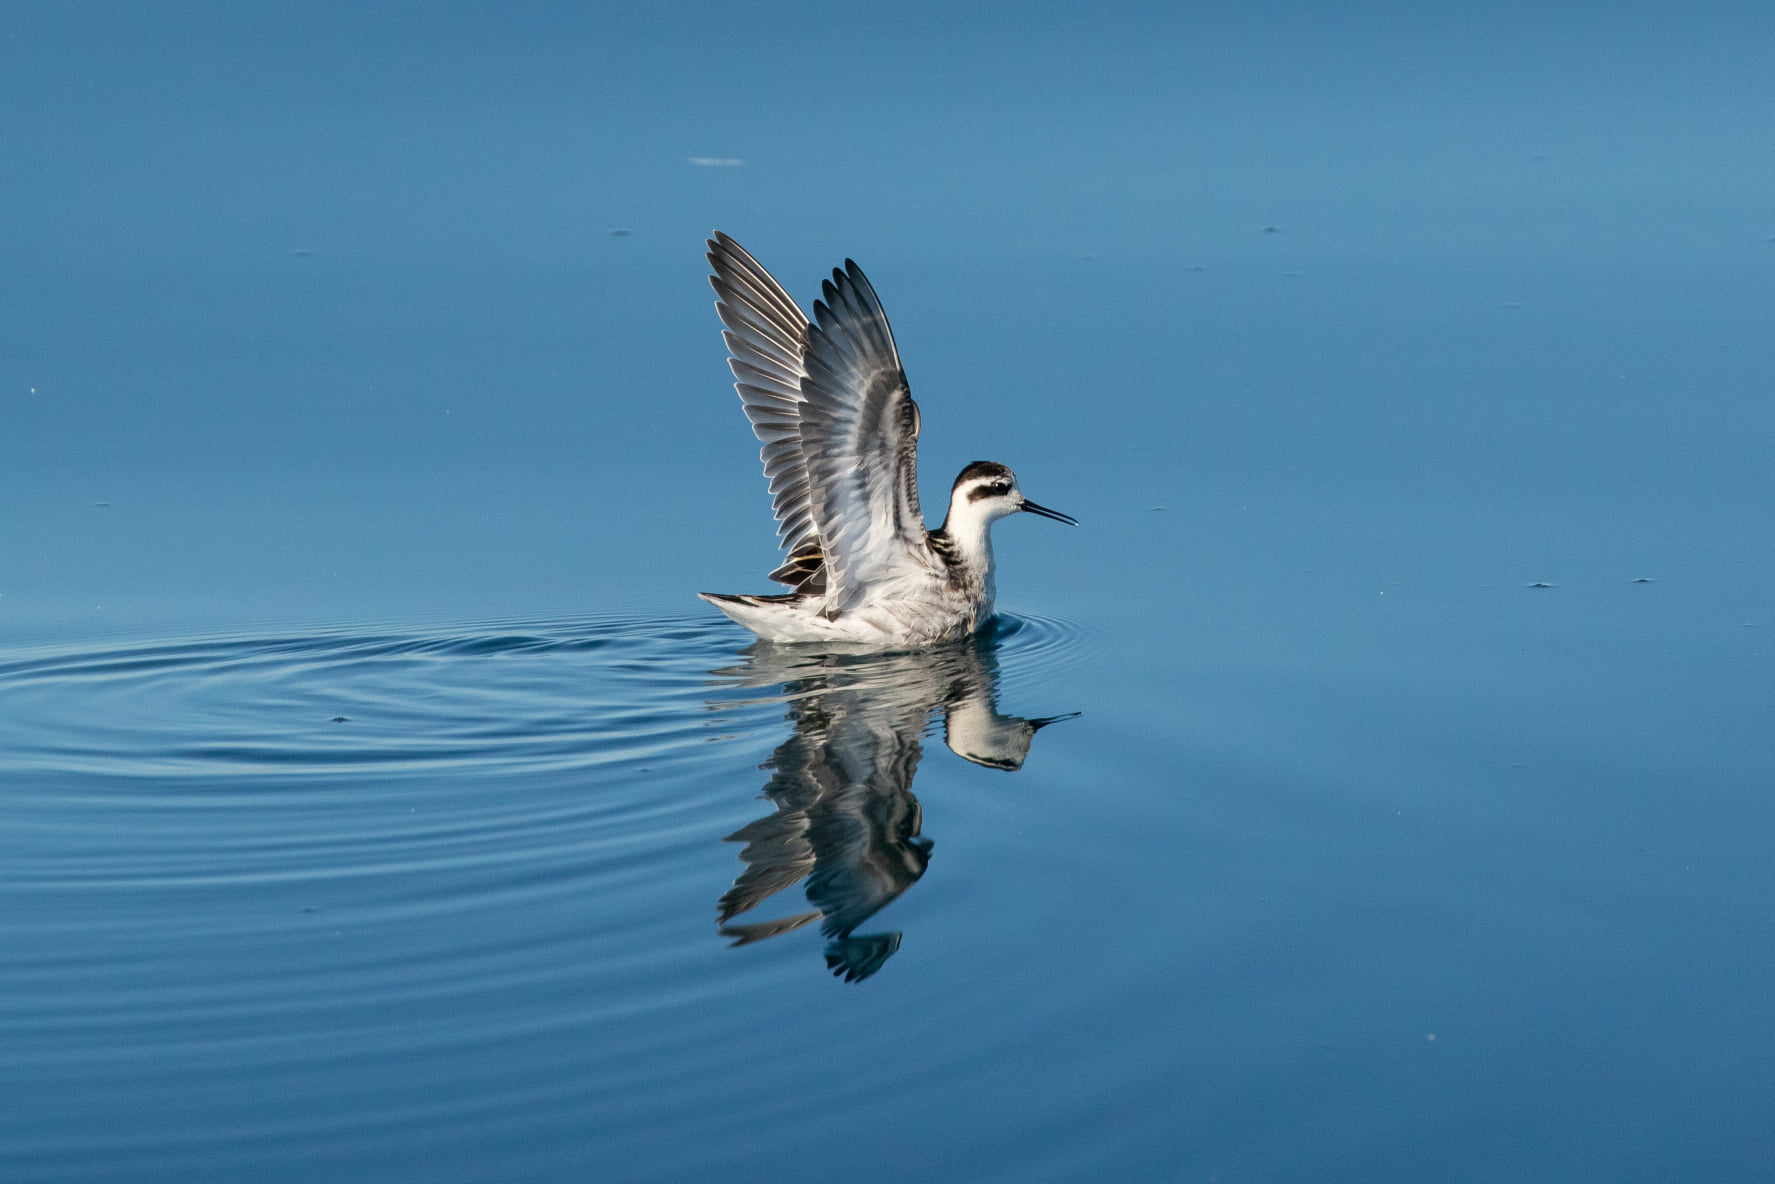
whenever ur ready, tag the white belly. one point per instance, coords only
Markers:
(880, 621)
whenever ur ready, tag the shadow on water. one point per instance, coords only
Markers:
(846, 820)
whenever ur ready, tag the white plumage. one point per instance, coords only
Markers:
(830, 402)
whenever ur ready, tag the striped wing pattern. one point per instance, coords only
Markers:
(831, 405)
(766, 336)
(859, 439)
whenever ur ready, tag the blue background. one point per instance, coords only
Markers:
(1337, 327)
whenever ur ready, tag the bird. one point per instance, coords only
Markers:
(829, 400)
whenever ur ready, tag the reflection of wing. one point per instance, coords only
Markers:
(859, 435)
(846, 820)
(867, 842)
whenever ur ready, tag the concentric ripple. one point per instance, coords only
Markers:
(547, 696)
(551, 695)
(340, 866)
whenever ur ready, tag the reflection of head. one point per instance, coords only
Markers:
(846, 819)
(975, 731)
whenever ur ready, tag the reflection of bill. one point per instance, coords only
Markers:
(845, 819)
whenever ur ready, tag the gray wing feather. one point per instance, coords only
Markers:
(830, 404)
(859, 438)
(766, 338)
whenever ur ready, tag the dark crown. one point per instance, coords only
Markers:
(983, 469)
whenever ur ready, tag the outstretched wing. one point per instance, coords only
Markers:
(766, 338)
(859, 439)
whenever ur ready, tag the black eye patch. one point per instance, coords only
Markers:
(998, 490)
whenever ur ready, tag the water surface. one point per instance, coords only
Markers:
(377, 802)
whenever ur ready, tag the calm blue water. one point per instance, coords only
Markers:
(1374, 787)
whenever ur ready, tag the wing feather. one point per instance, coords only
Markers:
(859, 439)
(830, 405)
(766, 335)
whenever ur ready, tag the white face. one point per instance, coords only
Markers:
(992, 497)
(992, 494)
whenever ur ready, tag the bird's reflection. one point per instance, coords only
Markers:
(845, 818)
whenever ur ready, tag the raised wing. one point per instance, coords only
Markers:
(766, 338)
(859, 439)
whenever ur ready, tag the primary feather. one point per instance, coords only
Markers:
(766, 337)
(859, 438)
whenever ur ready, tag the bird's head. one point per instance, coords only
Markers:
(987, 491)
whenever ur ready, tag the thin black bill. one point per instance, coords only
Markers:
(1056, 515)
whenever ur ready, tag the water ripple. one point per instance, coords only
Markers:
(348, 704)
(421, 844)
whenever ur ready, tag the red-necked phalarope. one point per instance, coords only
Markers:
(840, 431)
